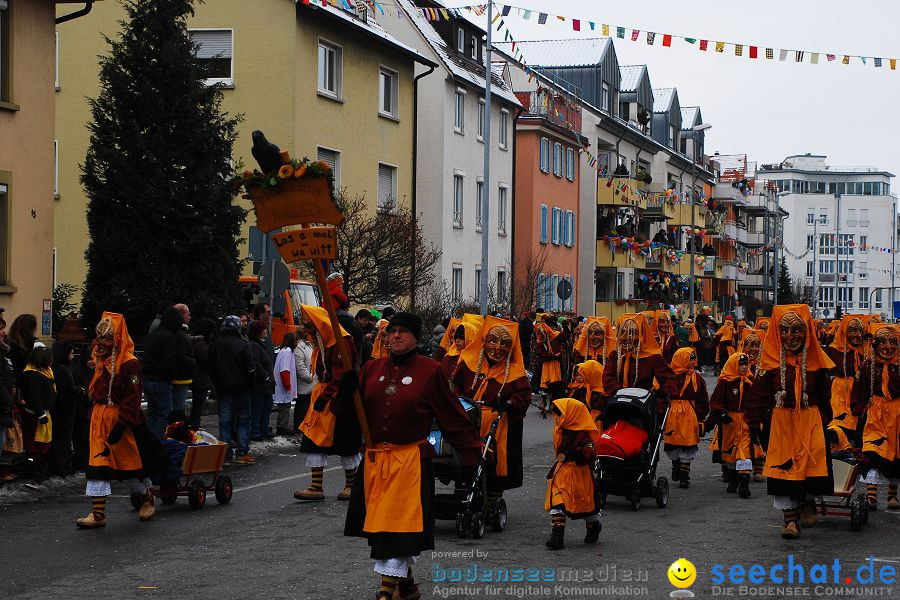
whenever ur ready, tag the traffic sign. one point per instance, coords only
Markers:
(564, 289)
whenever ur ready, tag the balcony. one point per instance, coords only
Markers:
(754, 281)
(724, 192)
(682, 215)
(730, 230)
(741, 274)
(741, 234)
(620, 191)
(621, 258)
(729, 272)
(756, 204)
(712, 267)
(755, 239)
(613, 310)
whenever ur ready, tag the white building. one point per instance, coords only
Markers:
(844, 257)
(450, 149)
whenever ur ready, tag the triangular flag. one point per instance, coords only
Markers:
(542, 18)
(604, 29)
(703, 45)
(620, 32)
(877, 62)
(576, 24)
(782, 55)
(830, 57)
(720, 46)
(799, 55)
(494, 20)
(770, 53)
(591, 23)
(667, 39)
(650, 37)
(505, 11)
(526, 15)
(814, 58)
(379, 7)
(753, 51)
(863, 59)
(445, 14)
(846, 60)
(634, 34)
(738, 49)
(690, 40)
(560, 17)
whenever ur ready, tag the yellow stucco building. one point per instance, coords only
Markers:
(319, 81)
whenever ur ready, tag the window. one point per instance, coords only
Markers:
(826, 266)
(557, 159)
(810, 218)
(845, 266)
(570, 164)
(539, 291)
(878, 299)
(4, 234)
(460, 112)
(480, 133)
(501, 287)
(845, 297)
(55, 62)
(569, 303)
(826, 297)
(863, 298)
(456, 284)
(504, 128)
(56, 168)
(333, 159)
(214, 53)
(5, 49)
(570, 229)
(551, 292)
(564, 227)
(460, 40)
(477, 284)
(809, 268)
(387, 186)
(672, 136)
(851, 217)
(479, 202)
(556, 226)
(329, 69)
(845, 244)
(826, 243)
(863, 270)
(864, 217)
(810, 240)
(387, 92)
(543, 223)
(606, 98)
(501, 209)
(457, 200)
(823, 216)
(545, 155)
(863, 243)
(473, 51)
(624, 111)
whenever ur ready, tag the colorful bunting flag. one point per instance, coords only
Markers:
(691, 40)
(893, 62)
(634, 34)
(542, 18)
(738, 49)
(753, 50)
(846, 60)
(526, 15)
(799, 55)
(505, 10)
(667, 40)
(830, 57)
(814, 58)
(576, 24)
(604, 29)
(770, 53)
(782, 55)
(863, 59)
(720, 46)
(877, 62)
(591, 23)
(650, 37)
(703, 45)
(620, 32)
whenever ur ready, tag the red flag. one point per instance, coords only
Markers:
(704, 44)
(576, 24)
(752, 51)
(667, 39)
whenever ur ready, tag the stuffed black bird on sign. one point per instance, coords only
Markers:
(267, 154)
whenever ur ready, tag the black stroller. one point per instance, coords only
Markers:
(467, 505)
(634, 477)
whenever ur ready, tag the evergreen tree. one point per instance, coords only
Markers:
(785, 291)
(161, 216)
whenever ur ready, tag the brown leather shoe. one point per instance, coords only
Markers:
(758, 478)
(148, 509)
(409, 593)
(344, 495)
(808, 514)
(91, 522)
(791, 531)
(310, 495)
(893, 503)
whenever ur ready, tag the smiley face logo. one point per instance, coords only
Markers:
(682, 573)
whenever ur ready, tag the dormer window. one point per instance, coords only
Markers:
(474, 49)
(672, 136)
(461, 40)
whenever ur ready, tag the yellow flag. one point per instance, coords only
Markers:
(720, 46)
(846, 60)
(893, 64)
(605, 29)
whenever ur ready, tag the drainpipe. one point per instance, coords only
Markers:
(512, 218)
(88, 5)
(415, 148)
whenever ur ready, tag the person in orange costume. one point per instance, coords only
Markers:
(637, 359)
(790, 394)
(595, 341)
(684, 425)
(848, 352)
(570, 487)
(464, 335)
(725, 342)
(668, 343)
(587, 386)
(727, 409)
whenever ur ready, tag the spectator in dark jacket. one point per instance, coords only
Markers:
(6, 395)
(21, 341)
(38, 394)
(232, 369)
(203, 330)
(68, 398)
(185, 364)
(264, 383)
(160, 364)
(82, 373)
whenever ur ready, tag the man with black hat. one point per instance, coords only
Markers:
(392, 501)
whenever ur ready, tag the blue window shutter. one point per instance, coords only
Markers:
(543, 156)
(543, 223)
(553, 226)
(572, 237)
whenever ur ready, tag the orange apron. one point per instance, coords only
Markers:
(488, 415)
(681, 428)
(571, 488)
(714, 443)
(393, 482)
(550, 373)
(841, 388)
(735, 439)
(319, 426)
(796, 445)
(123, 456)
(882, 428)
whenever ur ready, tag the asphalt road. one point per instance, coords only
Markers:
(266, 545)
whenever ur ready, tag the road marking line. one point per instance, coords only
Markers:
(280, 480)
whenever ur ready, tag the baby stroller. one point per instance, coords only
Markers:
(632, 473)
(466, 504)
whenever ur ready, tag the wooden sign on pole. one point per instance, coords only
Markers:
(315, 243)
(294, 201)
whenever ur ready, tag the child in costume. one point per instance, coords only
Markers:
(725, 343)
(587, 386)
(668, 342)
(751, 345)
(464, 335)
(39, 394)
(570, 489)
(727, 410)
(549, 348)
(685, 424)
(878, 398)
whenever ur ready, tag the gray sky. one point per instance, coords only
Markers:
(764, 108)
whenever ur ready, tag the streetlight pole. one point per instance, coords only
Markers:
(779, 228)
(837, 250)
(486, 188)
(693, 238)
(815, 250)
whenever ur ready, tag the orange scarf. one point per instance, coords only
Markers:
(123, 349)
(575, 417)
(730, 373)
(681, 363)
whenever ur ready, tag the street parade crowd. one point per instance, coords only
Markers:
(792, 393)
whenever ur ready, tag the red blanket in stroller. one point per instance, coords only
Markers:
(622, 440)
